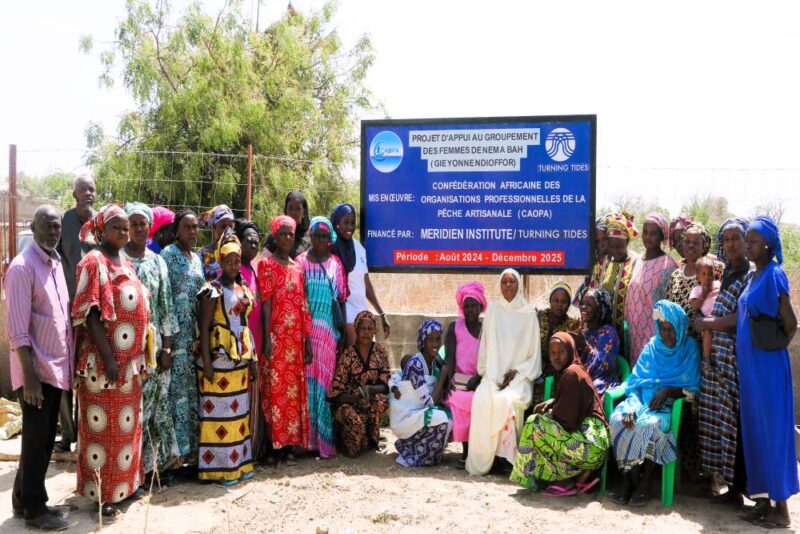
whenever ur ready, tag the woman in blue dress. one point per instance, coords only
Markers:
(186, 278)
(765, 381)
(668, 368)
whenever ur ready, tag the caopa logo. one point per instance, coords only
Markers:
(560, 144)
(386, 151)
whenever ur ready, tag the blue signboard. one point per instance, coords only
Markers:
(449, 195)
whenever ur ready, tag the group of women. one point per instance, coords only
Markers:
(738, 423)
(205, 361)
(239, 354)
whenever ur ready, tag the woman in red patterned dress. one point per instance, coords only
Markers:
(111, 312)
(287, 348)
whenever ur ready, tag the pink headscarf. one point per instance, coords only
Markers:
(161, 217)
(470, 290)
(282, 220)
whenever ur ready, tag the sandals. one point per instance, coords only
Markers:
(768, 524)
(559, 491)
(620, 498)
(110, 511)
(585, 487)
(639, 499)
(759, 512)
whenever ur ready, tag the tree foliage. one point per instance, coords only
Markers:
(56, 187)
(209, 84)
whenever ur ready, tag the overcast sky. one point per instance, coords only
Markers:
(691, 97)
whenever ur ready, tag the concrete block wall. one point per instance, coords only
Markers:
(403, 340)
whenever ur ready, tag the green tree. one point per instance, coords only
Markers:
(56, 186)
(209, 84)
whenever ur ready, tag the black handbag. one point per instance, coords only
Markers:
(768, 333)
(336, 310)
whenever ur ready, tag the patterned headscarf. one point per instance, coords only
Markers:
(216, 214)
(365, 315)
(604, 306)
(659, 220)
(138, 208)
(600, 224)
(325, 224)
(621, 225)
(470, 290)
(734, 223)
(697, 228)
(681, 222)
(227, 244)
(765, 226)
(161, 217)
(280, 221)
(92, 230)
(426, 329)
(561, 285)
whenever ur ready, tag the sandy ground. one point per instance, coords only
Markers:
(372, 494)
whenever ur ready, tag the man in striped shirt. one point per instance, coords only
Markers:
(40, 337)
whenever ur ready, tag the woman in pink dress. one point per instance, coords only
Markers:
(250, 239)
(648, 285)
(459, 376)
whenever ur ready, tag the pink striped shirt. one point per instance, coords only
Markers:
(37, 302)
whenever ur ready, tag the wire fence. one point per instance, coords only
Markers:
(201, 180)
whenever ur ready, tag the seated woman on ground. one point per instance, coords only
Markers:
(359, 388)
(459, 376)
(421, 428)
(668, 368)
(566, 439)
(600, 338)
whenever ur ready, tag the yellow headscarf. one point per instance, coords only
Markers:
(227, 244)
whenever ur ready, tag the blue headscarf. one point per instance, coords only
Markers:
(765, 226)
(343, 248)
(660, 366)
(318, 221)
(736, 223)
(339, 211)
(426, 329)
(138, 208)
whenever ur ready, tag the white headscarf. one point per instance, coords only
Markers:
(510, 338)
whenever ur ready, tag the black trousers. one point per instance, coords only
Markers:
(66, 419)
(38, 437)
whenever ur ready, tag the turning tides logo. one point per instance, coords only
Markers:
(560, 144)
(386, 151)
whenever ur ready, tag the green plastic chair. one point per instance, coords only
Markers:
(624, 373)
(669, 471)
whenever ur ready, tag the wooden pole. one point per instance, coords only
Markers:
(12, 201)
(249, 199)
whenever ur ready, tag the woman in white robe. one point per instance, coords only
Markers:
(508, 361)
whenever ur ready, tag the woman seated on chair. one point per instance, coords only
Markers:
(668, 368)
(566, 439)
(602, 342)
